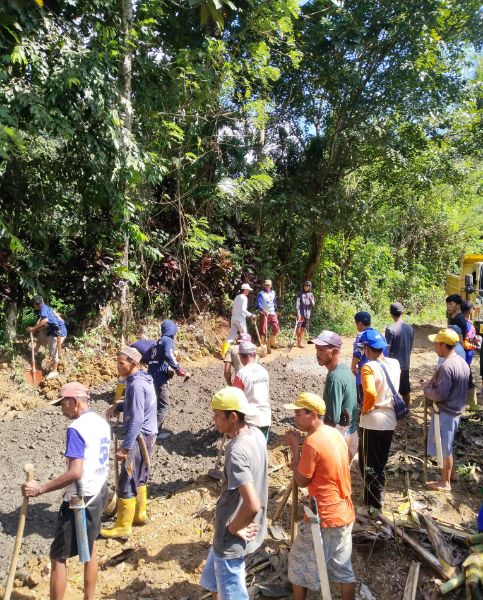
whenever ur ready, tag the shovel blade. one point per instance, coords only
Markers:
(262, 351)
(33, 377)
(278, 532)
(215, 474)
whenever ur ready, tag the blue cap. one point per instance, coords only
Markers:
(373, 339)
(362, 317)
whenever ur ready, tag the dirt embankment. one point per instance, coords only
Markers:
(164, 559)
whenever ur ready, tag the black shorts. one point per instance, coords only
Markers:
(65, 542)
(404, 385)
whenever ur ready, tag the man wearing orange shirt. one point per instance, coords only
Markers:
(323, 467)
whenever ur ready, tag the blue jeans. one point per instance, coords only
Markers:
(225, 576)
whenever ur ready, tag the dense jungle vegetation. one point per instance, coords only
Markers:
(154, 154)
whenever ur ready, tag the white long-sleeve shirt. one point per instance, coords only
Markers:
(239, 312)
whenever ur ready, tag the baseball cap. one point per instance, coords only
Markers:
(447, 336)
(244, 337)
(396, 308)
(456, 328)
(246, 286)
(232, 398)
(309, 401)
(267, 282)
(245, 347)
(362, 317)
(327, 338)
(73, 389)
(132, 353)
(373, 339)
(309, 283)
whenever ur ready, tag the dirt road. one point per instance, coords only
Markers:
(164, 559)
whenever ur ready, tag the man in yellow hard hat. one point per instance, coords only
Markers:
(322, 465)
(242, 507)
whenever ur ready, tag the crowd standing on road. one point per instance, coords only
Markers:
(326, 438)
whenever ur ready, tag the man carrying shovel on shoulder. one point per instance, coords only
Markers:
(323, 466)
(87, 454)
(140, 429)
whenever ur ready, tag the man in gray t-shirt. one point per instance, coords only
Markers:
(241, 510)
(400, 338)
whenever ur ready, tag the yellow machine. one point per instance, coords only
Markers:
(469, 285)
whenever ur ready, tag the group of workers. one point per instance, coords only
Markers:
(320, 460)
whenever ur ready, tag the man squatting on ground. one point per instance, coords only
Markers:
(447, 389)
(400, 339)
(139, 421)
(267, 305)
(305, 303)
(378, 417)
(239, 313)
(161, 361)
(55, 330)
(323, 467)
(254, 380)
(87, 455)
(339, 390)
(242, 507)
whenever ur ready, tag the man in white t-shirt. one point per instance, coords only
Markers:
(87, 454)
(239, 313)
(254, 380)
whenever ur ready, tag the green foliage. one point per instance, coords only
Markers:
(339, 141)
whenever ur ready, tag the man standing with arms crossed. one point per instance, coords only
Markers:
(242, 507)
(340, 389)
(87, 454)
(400, 338)
(140, 428)
(323, 467)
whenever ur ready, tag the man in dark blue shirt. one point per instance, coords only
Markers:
(55, 330)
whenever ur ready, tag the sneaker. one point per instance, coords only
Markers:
(163, 435)
(52, 375)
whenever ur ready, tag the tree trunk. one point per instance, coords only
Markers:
(126, 8)
(315, 252)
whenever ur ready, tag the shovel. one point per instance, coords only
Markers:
(215, 472)
(292, 340)
(262, 350)
(32, 375)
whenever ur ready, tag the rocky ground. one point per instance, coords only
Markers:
(164, 558)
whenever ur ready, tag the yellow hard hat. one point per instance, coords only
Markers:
(232, 398)
(447, 336)
(309, 401)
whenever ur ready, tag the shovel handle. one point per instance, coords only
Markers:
(29, 471)
(294, 510)
(32, 344)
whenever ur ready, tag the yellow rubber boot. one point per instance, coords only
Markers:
(140, 515)
(125, 516)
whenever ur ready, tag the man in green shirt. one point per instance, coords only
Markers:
(340, 388)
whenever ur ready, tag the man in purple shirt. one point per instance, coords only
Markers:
(447, 389)
(140, 428)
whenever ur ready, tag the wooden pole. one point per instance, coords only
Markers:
(295, 510)
(425, 437)
(29, 471)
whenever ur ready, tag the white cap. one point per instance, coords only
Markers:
(246, 286)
